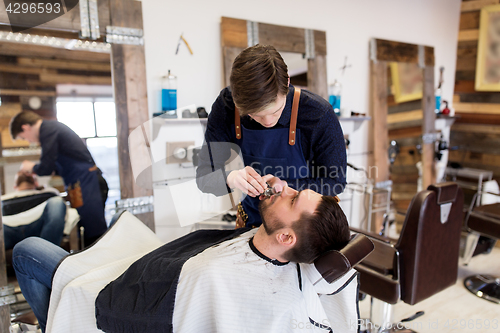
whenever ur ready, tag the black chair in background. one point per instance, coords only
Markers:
(483, 222)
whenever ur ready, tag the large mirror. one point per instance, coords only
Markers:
(58, 74)
(402, 109)
(71, 86)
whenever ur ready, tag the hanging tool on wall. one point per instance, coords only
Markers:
(182, 39)
(393, 151)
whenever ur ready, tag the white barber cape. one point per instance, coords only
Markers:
(226, 288)
(230, 288)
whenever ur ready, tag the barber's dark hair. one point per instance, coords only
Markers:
(258, 75)
(326, 229)
(22, 177)
(20, 119)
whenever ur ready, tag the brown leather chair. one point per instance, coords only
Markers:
(484, 221)
(424, 260)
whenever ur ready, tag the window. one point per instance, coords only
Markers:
(94, 120)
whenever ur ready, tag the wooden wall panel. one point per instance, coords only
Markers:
(468, 35)
(229, 53)
(469, 20)
(378, 82)
(475, 142)
(316, 76)
(466, 59)
(284, 39)
(478, 118)
(129, 78)
(320, 42)
(402, 52)
(233, 33)
(475, 136)
(476, 5)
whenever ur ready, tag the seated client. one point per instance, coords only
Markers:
(219, 280)
(32, 211)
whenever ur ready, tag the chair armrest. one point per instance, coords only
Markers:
(384, 258)
(490, 210)
(373, 235)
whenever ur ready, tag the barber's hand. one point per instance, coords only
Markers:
(27, 166)
(247, 180)
(277, 184)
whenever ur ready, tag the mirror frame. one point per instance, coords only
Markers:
(237, 34)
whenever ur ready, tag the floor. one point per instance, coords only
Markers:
(454, 309)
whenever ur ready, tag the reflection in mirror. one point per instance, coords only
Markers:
(404, 120)
(72, 86)
(297, 68)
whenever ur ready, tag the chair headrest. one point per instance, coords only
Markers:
(445, 192)
(23, 203)
(333, 264)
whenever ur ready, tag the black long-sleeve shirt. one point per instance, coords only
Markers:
(321, 138)
(58, 139)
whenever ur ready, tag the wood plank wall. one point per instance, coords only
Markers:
(476, 135)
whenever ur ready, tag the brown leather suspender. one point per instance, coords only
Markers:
(293, 119)
(237, 125)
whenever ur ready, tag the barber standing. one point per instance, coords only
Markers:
(280, 130)
(63, 151)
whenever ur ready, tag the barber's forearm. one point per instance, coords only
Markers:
(42, 170)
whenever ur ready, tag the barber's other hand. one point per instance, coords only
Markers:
(27, 166)
(247, 180)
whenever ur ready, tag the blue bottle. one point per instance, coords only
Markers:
(437, 110)
(335, 91)
(169, 95)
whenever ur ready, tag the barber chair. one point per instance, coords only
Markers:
(483, 221)
(424, 260)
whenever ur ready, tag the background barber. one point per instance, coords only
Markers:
(303, 145)
(63, 151)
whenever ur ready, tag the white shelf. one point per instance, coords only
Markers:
(354, 118)
(443, 121)
(351, 124)
(183, 120)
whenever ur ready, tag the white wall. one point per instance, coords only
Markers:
(349, 26)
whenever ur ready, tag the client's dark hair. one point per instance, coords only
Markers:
(326, 229)
(22, 177)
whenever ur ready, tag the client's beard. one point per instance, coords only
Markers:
(270, 223)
